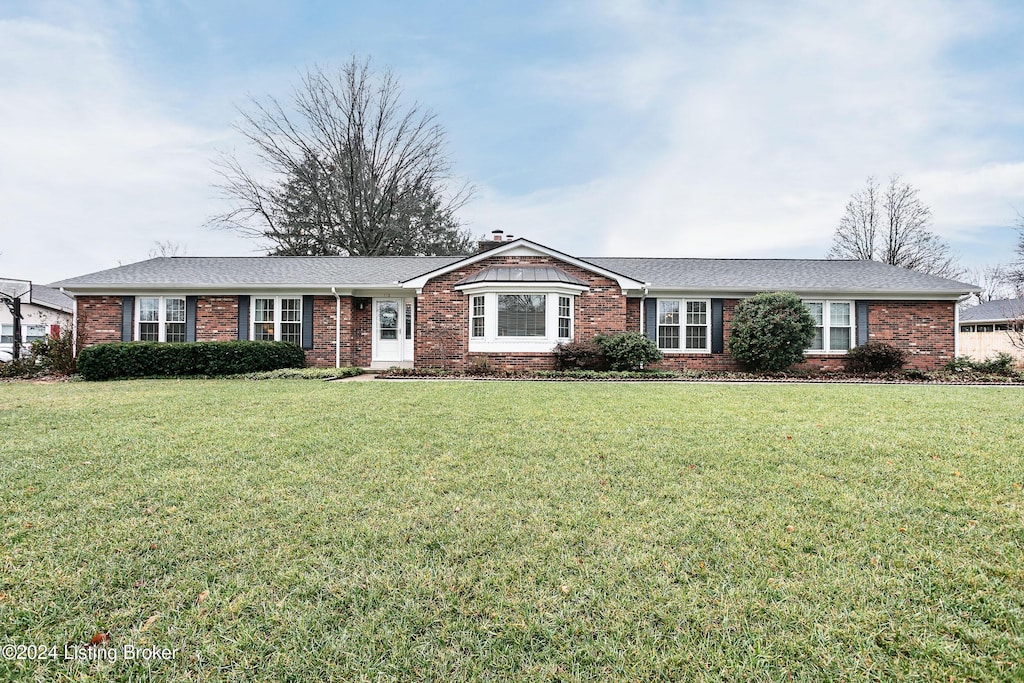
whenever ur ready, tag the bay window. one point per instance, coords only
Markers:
(521, 315)
(520, 318)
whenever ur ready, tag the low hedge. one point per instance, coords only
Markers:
(125, 360)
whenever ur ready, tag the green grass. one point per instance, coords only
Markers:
(515, 531)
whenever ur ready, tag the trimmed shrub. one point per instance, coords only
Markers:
(123, 360)
(582, 355)
(770, 331)
(875, 357)
(629, 351)
(1000, 364)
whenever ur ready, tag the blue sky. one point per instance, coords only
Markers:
(598, 128)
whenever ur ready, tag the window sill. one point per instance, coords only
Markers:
(686, 352)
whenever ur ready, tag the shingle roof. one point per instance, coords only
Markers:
(51, 298)
(524, 274)
(1000, 309)
(777, 274)
(726, 275)
(196, 271)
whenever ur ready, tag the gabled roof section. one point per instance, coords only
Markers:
(994, 311)
(517, 245)
(223, 273)
(521, 274)
(798, 275)
(48, 297)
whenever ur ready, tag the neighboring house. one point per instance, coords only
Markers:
(988, 328)
(43, 309)
(511, 302)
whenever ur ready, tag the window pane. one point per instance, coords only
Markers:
(291, 310)
(478, 327)
(817, 312)
(6, 334)
(175, 332)
(563, 307)
(408, 320)
(149, 331)
(174, 310)
(839, 315)
(387, 319)
(291, 332)
(263, 332)
(839, 338)
(668, 336)
(668, 313)
(263, 311)
(696, 313)
(478, 316)
(521, 315)
(149, 310)
(696, 337)
(818, 341)
(563, 328)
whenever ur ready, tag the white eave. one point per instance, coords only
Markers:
(625, 283)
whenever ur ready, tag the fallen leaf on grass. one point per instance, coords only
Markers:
(100, 638)
(565, 589)
(202, 597)
(149, 622)
(790, 528)
(173, 508)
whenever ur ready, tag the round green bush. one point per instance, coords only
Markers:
(875, 356)
(629, 351)
(770, 331)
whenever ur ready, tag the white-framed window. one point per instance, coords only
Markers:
(476, 319)
(7, 333)
(565, 317)
(834, 326)
(277, 318)
(521, 318)
(33, 332)
(160, 318)
(684, 324)
(522, 315)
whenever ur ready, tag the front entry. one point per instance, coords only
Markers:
(393, 331)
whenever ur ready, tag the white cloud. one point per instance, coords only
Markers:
(744, 132)
(92, 172)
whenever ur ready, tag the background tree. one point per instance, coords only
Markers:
(168, 248)
(891, 224)
(996, 282)
(1015, 273)
(346, 170)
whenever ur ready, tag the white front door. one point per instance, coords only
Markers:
(392, 330)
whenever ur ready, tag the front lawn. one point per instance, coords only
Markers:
(297, 530)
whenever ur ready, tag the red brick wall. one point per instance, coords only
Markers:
(216, 318)
(99, 319)
(633, 315)
(924, 329)
(442, 323)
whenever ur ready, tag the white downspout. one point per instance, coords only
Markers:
(74, 325)
(337, 327)
(956, 326)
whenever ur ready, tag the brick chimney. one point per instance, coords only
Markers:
(497, 238)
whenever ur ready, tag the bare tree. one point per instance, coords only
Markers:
(891, 224)
(167, 248)
(995, 282)
(347, 169)
(1015, 272)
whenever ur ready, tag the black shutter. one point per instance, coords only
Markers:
(307, 321)
(243, 316)
(651, 319)
(127, 317)
(190, 318)
(717, 326)
(862, 322)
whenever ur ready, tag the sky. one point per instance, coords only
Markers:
(620, 127)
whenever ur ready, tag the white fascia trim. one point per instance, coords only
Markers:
(623, 281)
(876, 295)
(545, 287)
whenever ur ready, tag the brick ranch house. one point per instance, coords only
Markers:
(511, 302)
